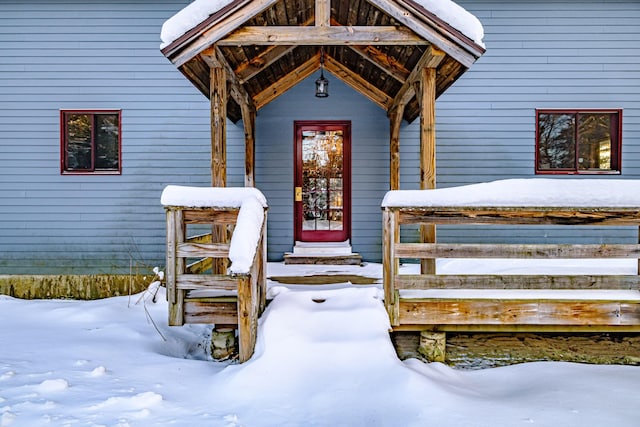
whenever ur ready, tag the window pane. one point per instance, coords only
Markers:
(556, 143)
(78, 142)
(106, 132)
(594, 141)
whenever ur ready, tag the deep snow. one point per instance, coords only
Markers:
(102, 363)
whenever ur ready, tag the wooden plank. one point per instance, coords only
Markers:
(523, 312)
(427, 97)
(227, 216)
(541, 251)
(170, 270)
(210, 312)
(208, 282)
(318, 36)
(521, 215)
(519, 281)
(633, 328)
(198, 250)
(354, 80)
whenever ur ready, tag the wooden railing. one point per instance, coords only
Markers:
(234, 298)
(483, 306)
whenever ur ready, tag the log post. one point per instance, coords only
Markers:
(427, 97)
(175, 266)
(389, 264)
(218, 102)
(249, 122)
(395, 120)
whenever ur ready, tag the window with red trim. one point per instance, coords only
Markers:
(578, 141)
(90, 141)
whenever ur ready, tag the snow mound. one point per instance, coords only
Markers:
(535, 192)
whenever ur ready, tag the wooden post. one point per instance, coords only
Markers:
(249, 122)
(395, 120)
(218, 102)
(247, 316)
(427, 96)
(323, 13)
(389, 264)
(175, 266)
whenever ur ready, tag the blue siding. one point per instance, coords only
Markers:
(71, 54)
(84, 55)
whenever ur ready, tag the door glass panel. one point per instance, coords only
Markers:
(322, 180)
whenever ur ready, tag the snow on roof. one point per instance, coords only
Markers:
(456, 16)
(188, 18)
(525, 192)
(209, 197)
(199, 10)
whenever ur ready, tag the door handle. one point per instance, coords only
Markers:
(298, 194)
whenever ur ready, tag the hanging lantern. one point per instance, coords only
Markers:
(322, 84)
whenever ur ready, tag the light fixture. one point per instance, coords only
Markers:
(322, 84)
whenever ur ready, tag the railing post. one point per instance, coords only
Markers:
(389, 264)
(247, 316)
(175, 266)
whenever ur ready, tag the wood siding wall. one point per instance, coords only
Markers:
(89, 54)
(96, 54)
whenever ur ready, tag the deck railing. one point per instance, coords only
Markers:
(499, 302)
(234, 298)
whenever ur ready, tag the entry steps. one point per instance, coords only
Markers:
(326, 253)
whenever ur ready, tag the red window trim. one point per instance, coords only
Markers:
(63, 142)
(575, 171)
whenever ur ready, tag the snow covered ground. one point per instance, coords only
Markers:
(103, 363)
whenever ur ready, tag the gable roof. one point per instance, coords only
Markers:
(375, 46)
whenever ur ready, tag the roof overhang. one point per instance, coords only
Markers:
(377, 47)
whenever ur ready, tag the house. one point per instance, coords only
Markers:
(95, 121)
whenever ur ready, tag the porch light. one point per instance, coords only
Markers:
(322, 84)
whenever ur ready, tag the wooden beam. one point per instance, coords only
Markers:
(533, 251)
(427, 97)
(354, 80)
(521, 215)
(518, 312)
(185, 48)
(517, 282)
(323, 13)
(382, 61)
(279, 87)
(431, 58)
(246, 70)
(314, 36)
(466, 55)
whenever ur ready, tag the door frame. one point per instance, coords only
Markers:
(322, 125)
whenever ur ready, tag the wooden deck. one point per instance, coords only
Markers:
(492, 303)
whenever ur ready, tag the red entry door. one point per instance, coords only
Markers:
(322, 195)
